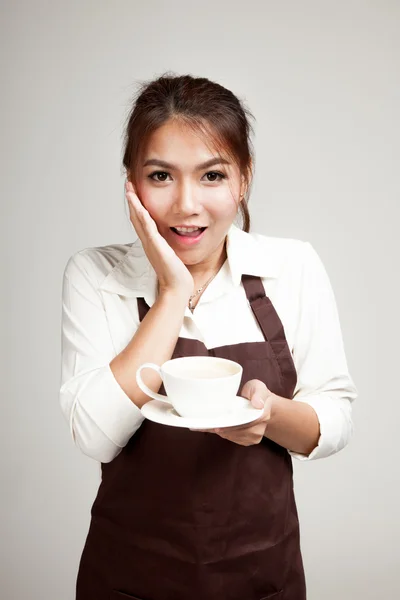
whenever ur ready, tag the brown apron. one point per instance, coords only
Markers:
(185, 515)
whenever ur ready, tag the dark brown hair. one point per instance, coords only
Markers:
(207, 107)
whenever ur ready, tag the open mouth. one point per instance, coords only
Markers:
(191, 234)
(186, 239)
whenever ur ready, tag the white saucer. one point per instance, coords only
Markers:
(242, 412)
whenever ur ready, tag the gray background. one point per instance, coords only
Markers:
(322, 79)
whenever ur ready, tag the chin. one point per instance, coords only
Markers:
(192, 260)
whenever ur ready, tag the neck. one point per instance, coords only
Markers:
(208, 267)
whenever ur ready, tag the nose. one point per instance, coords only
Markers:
(186, 202)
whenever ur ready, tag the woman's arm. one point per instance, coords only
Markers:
(157, 335)
(154, 341)
(324, 387)
(98, 393)
(293, 425)
(317, 421)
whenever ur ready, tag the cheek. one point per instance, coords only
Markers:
(223, 206)
(157, 207)
(148, 195)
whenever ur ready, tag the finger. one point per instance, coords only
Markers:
(204, 430)
(136, 224)
(257, 392)
(134, 205)
(238, 435)
(242, 439)
(244, 427)
(137, 214)
(251, 387)
(144, 219)
(149, 224)
(130, 192)
(257, 400)
(129, 187)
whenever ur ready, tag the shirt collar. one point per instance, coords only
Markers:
(250, 254)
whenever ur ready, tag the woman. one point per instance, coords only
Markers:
(209, 514)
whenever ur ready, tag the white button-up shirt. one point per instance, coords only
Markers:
(100, 316)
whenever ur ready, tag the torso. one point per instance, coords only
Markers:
(182, 514)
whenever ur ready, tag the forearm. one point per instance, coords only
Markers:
(154, 341)
(293, 425)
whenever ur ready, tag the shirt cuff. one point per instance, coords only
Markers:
(336, 427)
(109, 407)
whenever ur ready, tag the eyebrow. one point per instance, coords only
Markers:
(166, 165)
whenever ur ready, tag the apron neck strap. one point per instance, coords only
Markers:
(142, 307)
(263, 310)
(253, 287)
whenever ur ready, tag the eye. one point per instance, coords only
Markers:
(151, 176)
(220, 175)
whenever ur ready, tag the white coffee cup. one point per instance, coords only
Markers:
(196, 386)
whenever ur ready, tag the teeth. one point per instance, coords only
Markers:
(187, 229)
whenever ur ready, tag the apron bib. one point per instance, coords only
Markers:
(185, 515)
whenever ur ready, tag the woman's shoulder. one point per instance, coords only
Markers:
(277, 249)
(267, 256)
(278, 242)
(290, 256)
(97, 262)
(255, 238)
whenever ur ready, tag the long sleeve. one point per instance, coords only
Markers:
(323, 378)
(101, 416)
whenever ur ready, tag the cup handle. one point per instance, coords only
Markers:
(144, 387)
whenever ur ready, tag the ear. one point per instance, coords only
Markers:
(245, 182)
(243, 188)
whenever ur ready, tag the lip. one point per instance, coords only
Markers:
(194, 226)
(185, 240)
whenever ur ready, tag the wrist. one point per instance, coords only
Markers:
(276, 403)
(276, 406)
(173, 295)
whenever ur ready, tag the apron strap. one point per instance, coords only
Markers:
(263, 309)
(142, 308)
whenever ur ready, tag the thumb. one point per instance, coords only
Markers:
(255, 391)
(257, 400)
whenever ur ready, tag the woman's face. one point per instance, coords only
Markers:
(177, 189)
